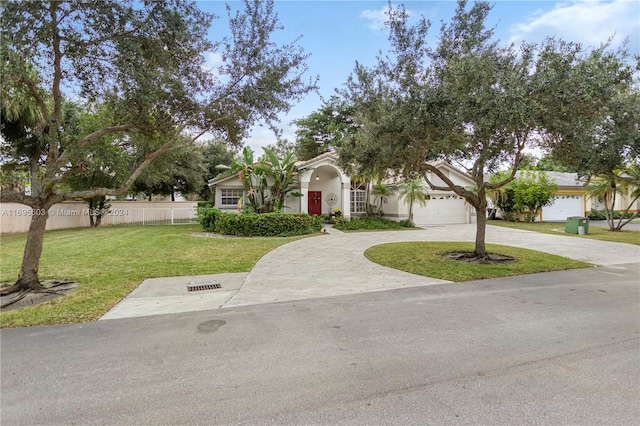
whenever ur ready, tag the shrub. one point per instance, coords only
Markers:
(367, 222)
(208, 217)
(596, 215)
(267, 224)
(601, 215)
(626, 215)
(406, 223)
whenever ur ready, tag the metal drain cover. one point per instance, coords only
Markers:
(203, 285)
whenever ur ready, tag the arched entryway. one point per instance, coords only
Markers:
(325, 188)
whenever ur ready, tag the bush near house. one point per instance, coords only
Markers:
(267, 224)
(207, 216)
(369, 222)
(601, 215)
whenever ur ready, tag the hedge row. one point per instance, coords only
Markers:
(600, 215)
(368, 222)
(259, 225)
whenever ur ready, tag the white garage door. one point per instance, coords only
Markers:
(440, 210)
(565, 206)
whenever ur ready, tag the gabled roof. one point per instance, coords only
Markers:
(320, 158)
(332, 156)
(222, 178)
(442, 163)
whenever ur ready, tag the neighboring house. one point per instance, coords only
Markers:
(623, 200)
(571, 199)
(325, 186)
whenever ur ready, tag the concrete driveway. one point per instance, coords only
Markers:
(334, 264)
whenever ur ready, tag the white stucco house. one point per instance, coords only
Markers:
(325, 186)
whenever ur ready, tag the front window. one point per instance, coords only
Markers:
(358, 199)
(230, 197)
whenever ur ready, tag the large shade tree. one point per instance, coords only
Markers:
(144, 62)
(470, 100)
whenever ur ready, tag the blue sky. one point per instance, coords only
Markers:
(337, 33)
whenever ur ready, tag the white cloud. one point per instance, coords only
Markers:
(377, 18)
(262, 136)
(590, 22)
(212, 63)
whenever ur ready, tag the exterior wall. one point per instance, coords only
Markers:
(621, 203)
(16, 217)
(292, 205)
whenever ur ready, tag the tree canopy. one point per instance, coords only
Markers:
(471, 100)
(323, 130)
(144, 63)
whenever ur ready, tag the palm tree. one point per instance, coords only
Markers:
(414, 191)
(283, 172)
(382, 192)
(607, 186)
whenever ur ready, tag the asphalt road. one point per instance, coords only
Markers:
(550, 348)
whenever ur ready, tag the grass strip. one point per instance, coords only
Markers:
(110, 262)
(595, 233)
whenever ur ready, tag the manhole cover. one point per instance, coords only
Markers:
(203, 285)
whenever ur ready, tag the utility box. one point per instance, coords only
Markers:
(576, 224)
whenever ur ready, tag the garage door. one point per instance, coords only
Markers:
(441, 209)
(565, 206)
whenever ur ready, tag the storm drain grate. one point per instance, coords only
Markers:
(203, 285)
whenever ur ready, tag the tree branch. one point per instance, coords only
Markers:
(468, 195)
(17, 197)
(102, 132)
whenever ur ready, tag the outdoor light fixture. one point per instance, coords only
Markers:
(317, 176)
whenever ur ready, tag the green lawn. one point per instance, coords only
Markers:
(110, 262)
(426, 258)
(595, 233)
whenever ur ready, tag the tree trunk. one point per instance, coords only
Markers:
(91, 213)
(28, 278)
(480, 250)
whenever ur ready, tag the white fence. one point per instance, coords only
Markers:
(17, 217)
(149, 216)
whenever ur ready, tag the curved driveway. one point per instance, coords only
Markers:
(334, 264)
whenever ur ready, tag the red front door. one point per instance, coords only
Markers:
(314, 204)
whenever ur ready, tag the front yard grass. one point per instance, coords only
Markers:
(110, 262)
(595, 233)
(427, 258)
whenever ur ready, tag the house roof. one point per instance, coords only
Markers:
(332, 156)
(440, 163)
(327, 155)
(222, 178)
(563, 179)
(300, 164)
